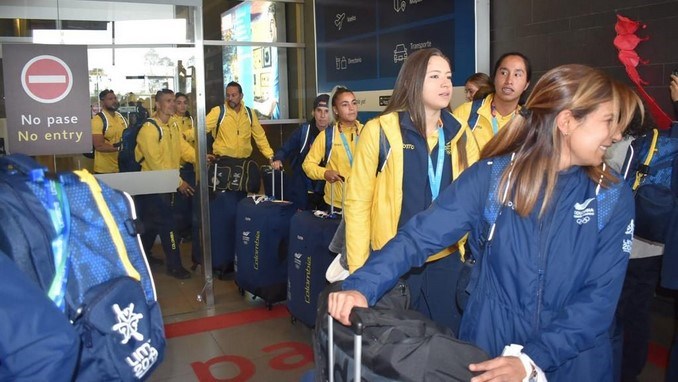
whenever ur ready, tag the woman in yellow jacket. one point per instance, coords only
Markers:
(335, 165)
(429, 148)
(511, 78)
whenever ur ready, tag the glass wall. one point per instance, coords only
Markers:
(191, 46)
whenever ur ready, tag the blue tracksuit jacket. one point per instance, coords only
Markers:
(549, 284)
(37, 343)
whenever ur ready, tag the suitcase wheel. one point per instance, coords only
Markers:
(241, 291)
(293, 320)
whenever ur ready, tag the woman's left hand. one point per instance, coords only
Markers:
(500, 369)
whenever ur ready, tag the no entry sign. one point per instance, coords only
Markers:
(47, 99)
(47, 79)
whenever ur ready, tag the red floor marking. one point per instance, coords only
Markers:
(222, 321)
(658, 355)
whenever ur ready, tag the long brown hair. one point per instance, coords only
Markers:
(407, 94)
(534, 136)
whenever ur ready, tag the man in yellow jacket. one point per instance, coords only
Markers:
(232, 134)
(235, 130)
(161, 146)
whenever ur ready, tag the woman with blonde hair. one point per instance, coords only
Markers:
(544, 289)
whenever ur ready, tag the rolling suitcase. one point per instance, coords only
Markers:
(262, 229)
(222, 230)
(389, 342)
(308, 258)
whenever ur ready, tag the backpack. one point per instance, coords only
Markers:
(222, 114)
(127, 161)
(101, 115)
(655, 182)
(398, 344)
(605, 201)
(77, 239)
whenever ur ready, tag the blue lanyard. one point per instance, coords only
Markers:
(435, 177)
(495, 125)
(59, 213)
(347, 148)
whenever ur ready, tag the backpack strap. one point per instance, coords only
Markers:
(644, 168)
(384, 150)
(493, 205)
(104, 120)
(305, 132)
(473, 116)
(328, 146)
(222, 114)
(157, 126)
(160, 133)
(249, 114)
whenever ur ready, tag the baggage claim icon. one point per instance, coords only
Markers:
(46, 79)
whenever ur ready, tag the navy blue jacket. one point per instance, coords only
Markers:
(549, 284)
(295, 150)
(37, 343)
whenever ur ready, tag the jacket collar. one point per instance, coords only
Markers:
(450, 124)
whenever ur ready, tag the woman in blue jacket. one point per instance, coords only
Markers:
(549, 276)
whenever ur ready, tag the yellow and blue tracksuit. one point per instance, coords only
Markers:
(338, 160)
(483, 129)
(376, 206)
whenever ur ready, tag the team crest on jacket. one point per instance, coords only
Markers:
(582, 211)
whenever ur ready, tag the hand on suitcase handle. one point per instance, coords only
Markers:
(340, 305)
(276, 165)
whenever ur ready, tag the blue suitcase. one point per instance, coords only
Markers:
(308, 260)
(222, 229)
(262, 230)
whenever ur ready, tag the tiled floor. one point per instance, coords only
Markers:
(240, 340)
(266, 347)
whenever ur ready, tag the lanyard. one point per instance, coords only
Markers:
(495, 125)
(347, 148)
(59, 213)
(435, 177)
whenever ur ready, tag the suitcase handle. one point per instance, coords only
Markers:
(343, 196)
(357, 327)
(282, 184)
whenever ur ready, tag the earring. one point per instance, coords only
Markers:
(565, 133)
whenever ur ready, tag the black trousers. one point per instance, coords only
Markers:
(633, 314)
(156, 211)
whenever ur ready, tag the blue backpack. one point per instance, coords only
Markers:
(78, 241)
(126, 158)
(654, 180)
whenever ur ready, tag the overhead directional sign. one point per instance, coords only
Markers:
(47, 79)
(47, 99)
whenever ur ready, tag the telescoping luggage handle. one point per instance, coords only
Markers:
(357, 327)
(282, 184)
(343, 195)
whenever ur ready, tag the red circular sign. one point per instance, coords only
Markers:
(46, 79)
